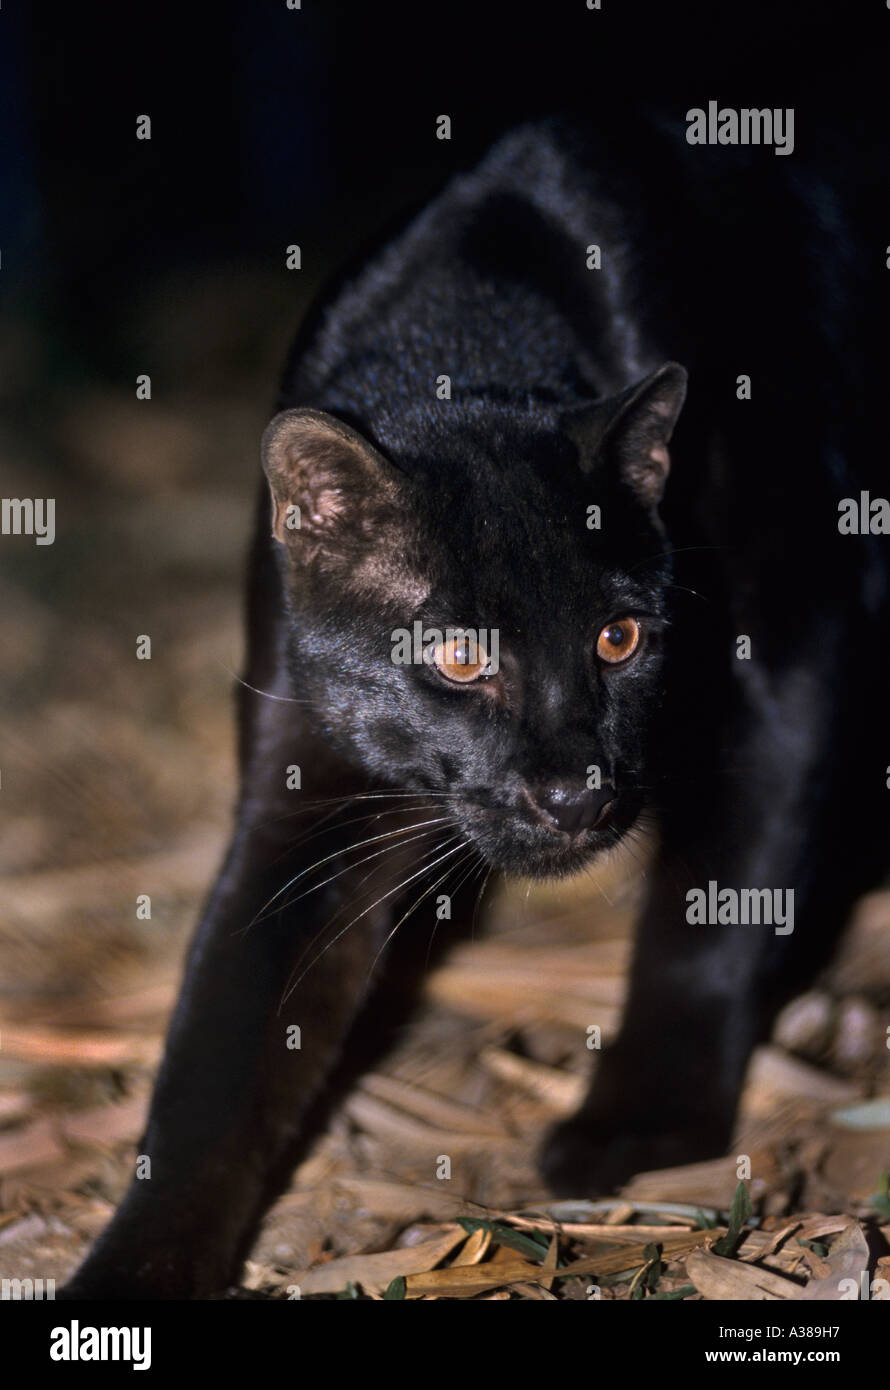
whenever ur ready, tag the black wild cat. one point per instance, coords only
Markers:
(618, 649)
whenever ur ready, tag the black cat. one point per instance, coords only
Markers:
(475, 439)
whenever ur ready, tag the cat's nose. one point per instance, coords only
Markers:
(573, 807)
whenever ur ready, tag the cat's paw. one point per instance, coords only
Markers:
(582, 1159)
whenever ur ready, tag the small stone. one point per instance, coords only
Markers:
(854, 1042)
(805, 1025)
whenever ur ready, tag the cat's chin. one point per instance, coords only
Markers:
(515, 847)
(549, 868)
(558, 862)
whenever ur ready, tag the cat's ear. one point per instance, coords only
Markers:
(328, 484)
(632, 430)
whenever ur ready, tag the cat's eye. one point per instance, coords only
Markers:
(618, 641)
(461, 659)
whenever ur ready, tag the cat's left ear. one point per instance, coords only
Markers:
(632, 430)
(329, 485)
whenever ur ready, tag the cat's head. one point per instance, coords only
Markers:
(478, 606)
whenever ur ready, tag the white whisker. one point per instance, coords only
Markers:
(357, 863)
(414, 907)
(398, 887)
(372, 839)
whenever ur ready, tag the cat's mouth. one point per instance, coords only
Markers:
(520, 844)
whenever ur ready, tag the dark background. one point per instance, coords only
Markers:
(315, 126)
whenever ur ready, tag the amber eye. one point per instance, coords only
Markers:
(618, 641)
(461, 659)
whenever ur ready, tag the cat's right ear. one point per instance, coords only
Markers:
(328, 484)
(632, 431)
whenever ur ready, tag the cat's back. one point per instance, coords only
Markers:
(579, 255)
(515, 277)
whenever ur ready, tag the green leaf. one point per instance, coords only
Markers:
(670, 1294)
(505, 1235)
(653, 1274)
(396, 1288)
(818, 1247)
(739, 1214)
(349, 1292)
(704, 1221)
(881, 1204)
(880, 1200)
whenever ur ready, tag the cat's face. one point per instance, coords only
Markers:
(486, 622)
